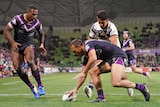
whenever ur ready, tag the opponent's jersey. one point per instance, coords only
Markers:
(126, 44)
(106, 49)
(23, 31)
(111, 29)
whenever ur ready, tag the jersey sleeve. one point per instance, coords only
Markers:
(39, 27)
(114, 30)
(12, 22)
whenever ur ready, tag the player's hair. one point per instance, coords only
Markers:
(126, 31)
(102, 14)
(76, 43)
(32, 6)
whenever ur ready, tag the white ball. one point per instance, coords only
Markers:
(66, 97)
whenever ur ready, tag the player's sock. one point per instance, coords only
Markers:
(91, 85)
(36, 75)
(143, 88)
(100, 94)
(140, 87)
(24, 77)
(144, 73)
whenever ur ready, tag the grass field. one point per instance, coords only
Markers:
(14, 93)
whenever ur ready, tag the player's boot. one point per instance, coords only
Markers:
(98, 100)
(35, 92)
(130, 91)
(146, 93)
(148, 75)
(87, 91)
(41, 90)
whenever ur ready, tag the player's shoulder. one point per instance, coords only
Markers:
(95, 24)
(111, 24)
(17, 17)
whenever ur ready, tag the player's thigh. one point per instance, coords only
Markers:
(104, 67)
(17, 60)
(117, 72)
(29, 53)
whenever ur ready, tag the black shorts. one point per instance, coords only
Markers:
(23, 47)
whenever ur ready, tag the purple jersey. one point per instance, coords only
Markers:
(107, 50)
(126, 43)
(23, 31)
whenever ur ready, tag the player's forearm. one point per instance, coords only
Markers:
(127, 49)
(80, 82)
(42, 38)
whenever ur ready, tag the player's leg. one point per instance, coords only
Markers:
(95, 72)
(89, 88)
(135, 69)
(29, 55)
(117, 72)
(17, 63)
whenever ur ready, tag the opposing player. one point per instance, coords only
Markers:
(128, 47)
(111, 54)
(103, 29)
(25, 26)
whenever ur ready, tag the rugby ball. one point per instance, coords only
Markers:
(66, 97)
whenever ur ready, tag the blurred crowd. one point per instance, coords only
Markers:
(6, 65)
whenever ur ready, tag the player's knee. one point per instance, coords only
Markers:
(93, 72)
(30, 63)
(115, 84)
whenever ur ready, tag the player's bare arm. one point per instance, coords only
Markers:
(42, 38)
(9, 37)
(113, 39)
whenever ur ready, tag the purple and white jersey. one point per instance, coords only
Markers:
(106, 49)
(23, 31)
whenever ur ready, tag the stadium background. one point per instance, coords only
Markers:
(64, 20)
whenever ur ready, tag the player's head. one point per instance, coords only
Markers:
(76, 46)
(126, 34)
(32, 12)
(102, 18)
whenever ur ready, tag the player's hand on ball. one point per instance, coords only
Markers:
(69, 96)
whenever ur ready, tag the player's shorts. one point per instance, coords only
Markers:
(23, 47)
(118, 60)
(132, 62)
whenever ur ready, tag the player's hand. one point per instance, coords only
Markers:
(72, 92)
(80, 75)
(123, 49)
(43, 50)
(15, 46)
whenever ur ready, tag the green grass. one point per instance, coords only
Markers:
(14, 93)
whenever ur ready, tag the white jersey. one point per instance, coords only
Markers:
(109, 31)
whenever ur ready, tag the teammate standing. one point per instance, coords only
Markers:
(128, 47)
(25, 26)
